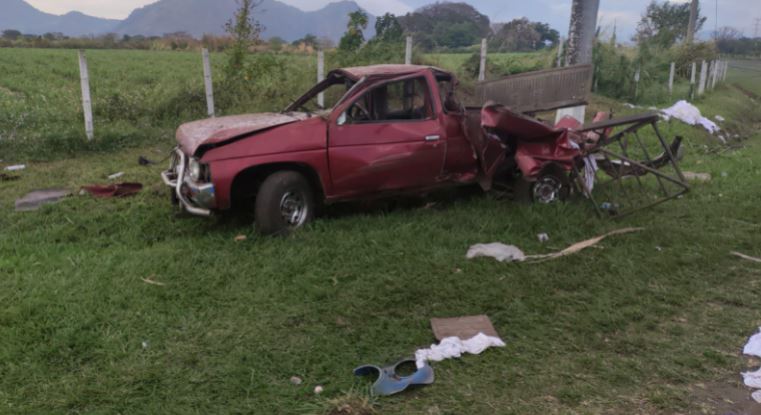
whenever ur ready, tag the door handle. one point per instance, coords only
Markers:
(432, 138)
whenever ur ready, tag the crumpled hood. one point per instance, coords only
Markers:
(192, 135)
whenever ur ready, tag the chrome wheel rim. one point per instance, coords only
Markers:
(547, 190)
(293, 209)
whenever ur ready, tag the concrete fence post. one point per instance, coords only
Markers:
(703, 77)
(208, 84)
(692, 80)
(636, 83)
(560, 52)
(84, 78)
(408, 51)
(321, 77)
(671, 78)
(482, 66)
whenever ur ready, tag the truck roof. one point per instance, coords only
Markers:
(359, 72)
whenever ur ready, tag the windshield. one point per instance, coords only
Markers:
(332, 89)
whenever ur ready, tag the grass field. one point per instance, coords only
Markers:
(651, 322)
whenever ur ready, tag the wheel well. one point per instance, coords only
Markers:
(247, 182)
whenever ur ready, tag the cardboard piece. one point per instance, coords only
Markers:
(463, 327)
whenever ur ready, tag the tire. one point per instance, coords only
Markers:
(284, 203)
(550, 187)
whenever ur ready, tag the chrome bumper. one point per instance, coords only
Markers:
(196, 198)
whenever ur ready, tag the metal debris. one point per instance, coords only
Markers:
(37, 198)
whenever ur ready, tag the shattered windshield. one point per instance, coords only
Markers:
(332, 90)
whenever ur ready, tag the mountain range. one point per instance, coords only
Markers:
(196, 17)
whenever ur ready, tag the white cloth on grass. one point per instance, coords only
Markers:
(752, 379)
(753, 347)
(451, 347)
(498, 251)
(690, 114)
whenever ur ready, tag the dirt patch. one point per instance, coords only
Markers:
(728, 398)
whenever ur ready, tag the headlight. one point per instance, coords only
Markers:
(195, 169)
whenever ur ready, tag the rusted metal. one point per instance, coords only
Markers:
(538, 91)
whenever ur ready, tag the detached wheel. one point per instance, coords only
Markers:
(284, 203)
(551, 187)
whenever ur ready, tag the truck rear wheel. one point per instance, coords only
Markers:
(284, 203)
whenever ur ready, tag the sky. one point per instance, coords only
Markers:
(739, 14)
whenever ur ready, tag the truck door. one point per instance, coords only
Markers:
(387, 139)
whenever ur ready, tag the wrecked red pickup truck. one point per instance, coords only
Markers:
(386, 129)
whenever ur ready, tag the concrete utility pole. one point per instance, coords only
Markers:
(581, 37)
(693, 21)
(757, 27)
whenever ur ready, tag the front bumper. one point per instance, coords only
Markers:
(195, 198)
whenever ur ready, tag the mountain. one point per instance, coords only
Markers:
(19, 15)
(198, 17)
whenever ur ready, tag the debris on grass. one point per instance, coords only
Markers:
(543, 237)
(143, 161)
(511, 253)
(318, 390)
(756, 396)
(8, 178)
(295, 380)
(152, 282)
(17, 167)
(463, 327)
(240, 238)
(116, 175)
(749, 258)
(113, 190)
(145, 344)
(697, 177)
(37, 198)
(454, 347)
(689, 114)
(719, 118)
(391, 380)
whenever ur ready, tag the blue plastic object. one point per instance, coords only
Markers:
(389, 382)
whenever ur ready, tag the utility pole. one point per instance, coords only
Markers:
(581, 37)
(757, 27)
(693, 21)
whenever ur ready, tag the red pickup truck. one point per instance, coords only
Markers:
(383, 130)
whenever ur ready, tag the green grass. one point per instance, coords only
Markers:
(626, 328)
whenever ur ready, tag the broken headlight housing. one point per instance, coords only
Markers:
(196, 170)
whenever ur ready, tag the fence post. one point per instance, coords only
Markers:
(207, 80)
(561, 45)
(692, 81)
(714, 72)
(671, 78)
(84, 78)
(321, 76)
(482, 66)
(726, 70)
(636, 83)
(703, 75)
(408, 52)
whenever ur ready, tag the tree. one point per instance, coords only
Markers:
(11, 34)
(353, 39)
(448, 25)
(388, 29)
(666, 23)
(307, 40)
(523, 35)
(245, 31)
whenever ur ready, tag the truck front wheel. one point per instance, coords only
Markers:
(284, 203)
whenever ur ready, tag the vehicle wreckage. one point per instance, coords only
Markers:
(393, 129)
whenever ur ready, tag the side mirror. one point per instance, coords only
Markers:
(341, 119)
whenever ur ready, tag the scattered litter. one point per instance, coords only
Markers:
(498, 251)
(690, 114)
(144, 344)
(659, 249)
(609, 207)
(724, 174)
(113, 190)
(462, 327)
(510, 253)
(389, 381)
(143, 161)
(318, 389)
(543, 237)
(697, 177)
(296, 380)
(719, 118)
(756, 396)
(152, 282)
(8, 178)
(17, 167)
(454, 347)
(37, 198)
(116, 175)
(628, 105)
(240, 238)
(749, 258)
